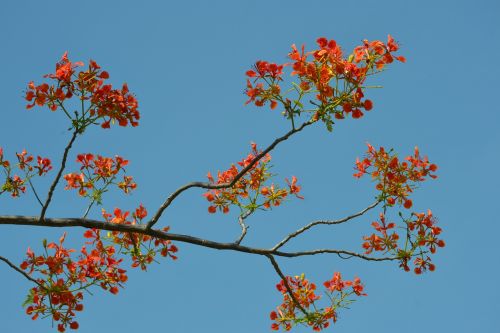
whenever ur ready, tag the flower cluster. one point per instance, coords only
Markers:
(142, 248)
(395, 179)
(423, 233)
(304, 293)
(106, 104)
(250, 191)
(62, 279)
(97, 174)
(384, 241)
(336, 81)
(271, 74)
(15, 184)
(421, 238)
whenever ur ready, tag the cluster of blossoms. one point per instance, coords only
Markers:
(270, 73)
(304, 292)
(384, 241)
(421, 238)
(250, 191)
(336, 82)
(97, 174)
(142, 248)
(62, 279)
(395, 179)
(15, 184)
(106, 104)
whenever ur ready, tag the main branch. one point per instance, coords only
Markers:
(142, 229)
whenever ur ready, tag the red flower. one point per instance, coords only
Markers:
(368, 105)
(77, 181)
(44, 165)
(140, 212)
(293, 187)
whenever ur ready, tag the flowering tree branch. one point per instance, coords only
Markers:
(287, 285)
(334, 87)
(143, 230)
(244, 171)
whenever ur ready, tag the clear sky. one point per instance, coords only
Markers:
(185, 61)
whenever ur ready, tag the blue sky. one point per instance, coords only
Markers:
(185, 61)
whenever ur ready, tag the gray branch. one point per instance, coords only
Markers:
(312, 224)
(244, 227)
(58, 176)
(142, 229)
(26, 275)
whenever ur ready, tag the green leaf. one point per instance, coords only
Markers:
(29, 299)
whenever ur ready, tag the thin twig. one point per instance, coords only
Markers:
(26, 275)
(210, 186)
(58, 176)
(331, 251)
(34, 192)
(244, 227)
(312, 224)
(287, 286)
(88, 209)
(100, 192)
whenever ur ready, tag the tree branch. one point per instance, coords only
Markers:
(287, 286)
(312, 224)
(26, 275)
(332, 251)
(244, 227)
(210, 186)
(142, 229)
(58, 176)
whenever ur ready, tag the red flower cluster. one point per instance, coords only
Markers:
(62, 278)
(337, 284)
(377, 52)
(3, 163)
(289, 314)
(115, 104)
(103, 170)
(142, 248)
(384, 242)
(106, 103)
(427, 230)
(421, 238)
(14, 184)
(424, 231)
(250, 186)
(395, 179)
(263, 69)
(59, 291)
(336, 81)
